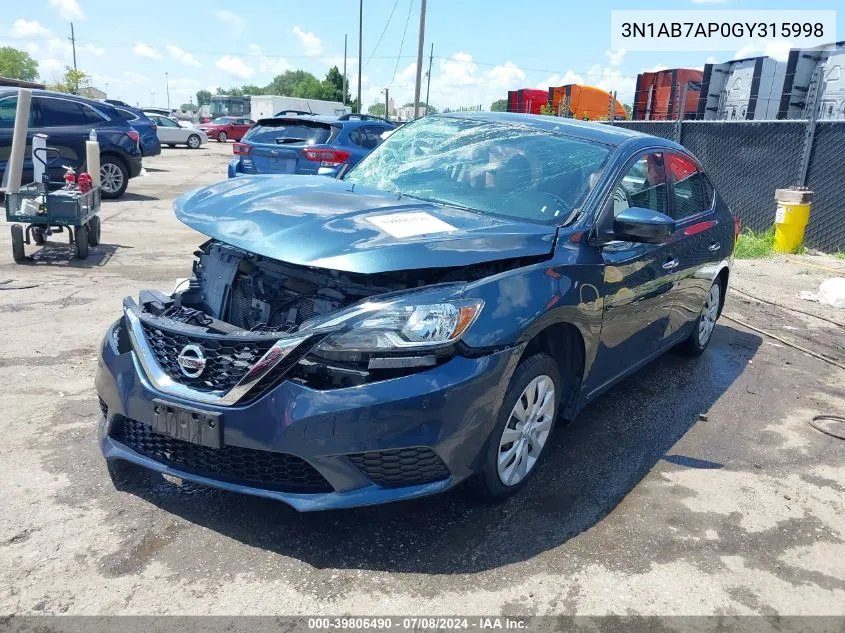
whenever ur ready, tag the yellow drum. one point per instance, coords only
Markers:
(793, 213)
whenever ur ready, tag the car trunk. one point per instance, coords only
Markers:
(277, 145)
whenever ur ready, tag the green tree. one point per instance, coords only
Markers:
(295, 83)
(17, 64)
(629, 110)
(431, 110)
(377, 109)
(333, 87)
(71, 81)
(251, 90)
(547, 110)
(500, 105)
(203, 97)
(188, 107)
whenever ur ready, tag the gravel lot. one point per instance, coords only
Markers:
(695, 487)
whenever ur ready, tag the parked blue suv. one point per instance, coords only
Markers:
(67, 120)
(149, 143)
(299, 143)
(423, 321)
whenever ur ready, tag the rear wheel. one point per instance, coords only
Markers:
(94, 231)
(193, 141)
(704, 325)
(526, 420)
(18, 253)
(80, 238)
(222, 138)
(38, 235)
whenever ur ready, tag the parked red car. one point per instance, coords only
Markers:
(227, 127)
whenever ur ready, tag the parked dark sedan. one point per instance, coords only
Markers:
(421, 322)
(67, 120)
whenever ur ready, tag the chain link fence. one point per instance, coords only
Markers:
(748, 160)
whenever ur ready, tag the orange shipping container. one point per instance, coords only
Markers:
(585, 102)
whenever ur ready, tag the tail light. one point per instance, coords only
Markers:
(134, 136)
(327, 157)
(241, 149)
(737, 229)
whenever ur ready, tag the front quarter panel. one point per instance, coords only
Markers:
(520, 303)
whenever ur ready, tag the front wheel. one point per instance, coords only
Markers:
(222, 138)
(193, 141)
(702, 330)
(18, 253)
(525, 422)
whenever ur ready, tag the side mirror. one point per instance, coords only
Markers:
(636, 224)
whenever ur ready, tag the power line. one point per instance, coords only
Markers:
(402, 43)
(389, 18)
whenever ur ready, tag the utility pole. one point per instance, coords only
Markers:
(419, 61)
(387, 103)
(428, 86)
(72, 39)
(167, 87)
(360, 48)
(344, 68)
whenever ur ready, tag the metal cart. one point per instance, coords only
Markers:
(45, 213)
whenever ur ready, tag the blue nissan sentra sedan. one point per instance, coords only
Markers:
(421, 322)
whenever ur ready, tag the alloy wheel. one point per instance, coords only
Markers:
(111, 177)
(709, 314)
(526, 431)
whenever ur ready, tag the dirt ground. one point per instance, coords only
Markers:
(694, 487)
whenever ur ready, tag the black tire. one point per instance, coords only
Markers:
(194, 141)
(94, 231)
(113, 168)
(171, 144)
(80, 238)
(38, 236)
(222, 137)
(695, 343)
(487, 481)
(18, 252)
(126, 476)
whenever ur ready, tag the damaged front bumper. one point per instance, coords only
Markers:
(314, 449)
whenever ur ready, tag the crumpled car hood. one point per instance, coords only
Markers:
(327, 223)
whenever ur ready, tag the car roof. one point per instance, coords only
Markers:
(591, 131)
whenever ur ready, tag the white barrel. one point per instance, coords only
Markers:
(38, 141)
(15, 164)
(92, 160)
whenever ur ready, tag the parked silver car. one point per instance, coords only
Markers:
(170, 133)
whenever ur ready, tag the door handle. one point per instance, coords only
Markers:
(715, 246)
(670, 264)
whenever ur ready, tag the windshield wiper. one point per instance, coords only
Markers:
(444, 203)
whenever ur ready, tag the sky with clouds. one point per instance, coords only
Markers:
(482, 48)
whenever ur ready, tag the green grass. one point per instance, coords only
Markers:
(839, 254)
(753, 245)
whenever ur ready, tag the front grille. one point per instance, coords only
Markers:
(246, 466)
(227, 360)
(401, 467)
(104, 408)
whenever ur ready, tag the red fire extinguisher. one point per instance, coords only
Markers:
(85, 182)
(70, 179)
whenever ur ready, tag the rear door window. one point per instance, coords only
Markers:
(290, 133)
(8, 108)
(59, 112)
(689, 195)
